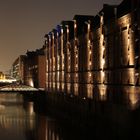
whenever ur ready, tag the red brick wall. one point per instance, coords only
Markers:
(41, 71)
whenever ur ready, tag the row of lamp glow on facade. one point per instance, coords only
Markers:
(61, 57)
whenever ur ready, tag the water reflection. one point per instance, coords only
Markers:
(18, 120)
(133, 97)
(15, 120)
(47, 129)
(102, 91)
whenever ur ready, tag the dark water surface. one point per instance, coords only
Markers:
(19, 121)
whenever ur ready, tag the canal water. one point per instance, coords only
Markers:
(19, 120)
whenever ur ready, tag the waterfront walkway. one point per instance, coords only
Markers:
(17, 87)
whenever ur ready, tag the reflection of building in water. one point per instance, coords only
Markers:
(47, 129)
(19, 123)
(93, 54)
(133, 97)
(13, 116)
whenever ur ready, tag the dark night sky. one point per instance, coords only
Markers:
(23, 23)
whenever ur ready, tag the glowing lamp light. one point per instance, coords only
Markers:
(103, 62)
(102, 73)
(84, 98)
(89, 42)
(90, 63)
(67, 30)
(90, 52)
(88, 26)
(53, 36)
(75, 26)
(63, 65)
(61, 31)
(103, 48)
(101, 20)
(31, 83)
(89, 74)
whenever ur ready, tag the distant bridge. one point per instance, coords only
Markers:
(17, 88)
(7, 80)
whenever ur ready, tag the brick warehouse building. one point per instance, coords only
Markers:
(90, 69)
(91, 57)
(30, 69)
(18, 69)
(96, 56)
(35, 70)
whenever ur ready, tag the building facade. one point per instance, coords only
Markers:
(30, 69)
(89, 57)
(35, 70)
(18, 69)
(94, 56)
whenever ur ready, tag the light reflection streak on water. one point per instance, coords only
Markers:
(20, 122)
(102, 92)
(15, 119)
(134, 97)
(18, 119)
